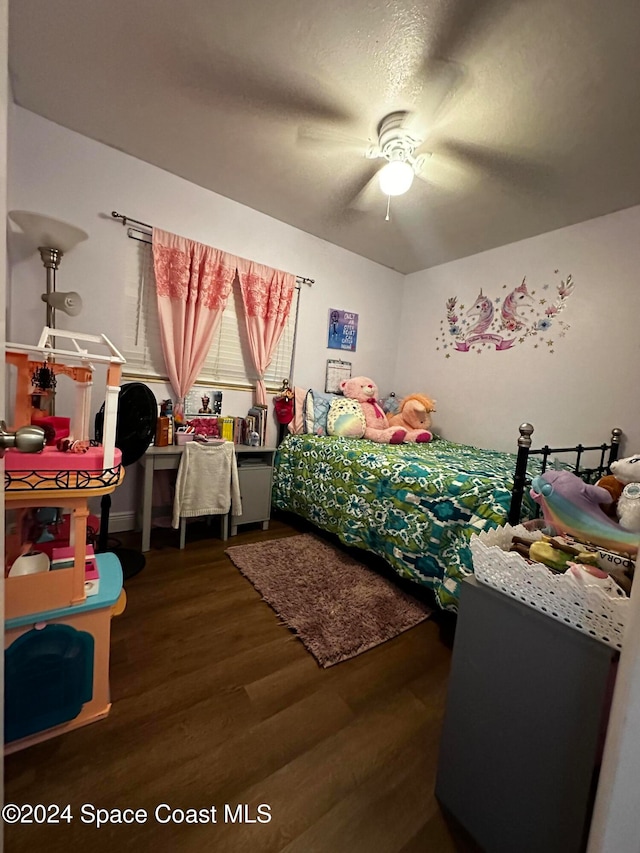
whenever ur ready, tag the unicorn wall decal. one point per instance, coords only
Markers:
(482, 308)
(485, 326)
(518, 298)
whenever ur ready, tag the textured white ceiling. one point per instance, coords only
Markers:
(533, 119)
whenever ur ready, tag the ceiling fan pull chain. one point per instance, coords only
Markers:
(386, 219)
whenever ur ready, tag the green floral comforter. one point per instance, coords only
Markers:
(415, 505)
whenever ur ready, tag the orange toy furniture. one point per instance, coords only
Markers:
(56, 638)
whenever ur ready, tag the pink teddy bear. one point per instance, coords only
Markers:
(365, 391)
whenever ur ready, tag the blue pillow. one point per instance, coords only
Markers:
(316, 409)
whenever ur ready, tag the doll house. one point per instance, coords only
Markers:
(58, 612)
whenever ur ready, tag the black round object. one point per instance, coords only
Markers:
(136, 425)
(135, 429)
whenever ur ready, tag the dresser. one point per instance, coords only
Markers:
(524, 724)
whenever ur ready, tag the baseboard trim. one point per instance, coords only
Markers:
(120, 522)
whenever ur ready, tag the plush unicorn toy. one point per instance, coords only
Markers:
(572, 506)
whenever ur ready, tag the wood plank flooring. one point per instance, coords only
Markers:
(216, 702)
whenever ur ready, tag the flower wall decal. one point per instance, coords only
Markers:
(503, 322)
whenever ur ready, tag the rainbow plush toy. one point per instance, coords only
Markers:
(573, 506)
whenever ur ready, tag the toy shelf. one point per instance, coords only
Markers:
(30, 594)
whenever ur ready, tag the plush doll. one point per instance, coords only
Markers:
(625, 491)
(415, 417)
(365, 391)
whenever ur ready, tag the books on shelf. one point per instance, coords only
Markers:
(63, 558)
(259, 414)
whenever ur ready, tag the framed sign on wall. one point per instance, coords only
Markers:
(343, 330)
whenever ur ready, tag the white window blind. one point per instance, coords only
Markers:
(229, 360)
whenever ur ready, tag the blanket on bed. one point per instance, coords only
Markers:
(416, 505)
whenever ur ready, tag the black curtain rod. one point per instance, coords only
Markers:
(301, 279)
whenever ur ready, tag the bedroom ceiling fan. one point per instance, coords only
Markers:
(397, 149)
(397, 145)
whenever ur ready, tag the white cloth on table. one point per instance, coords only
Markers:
(207, 482)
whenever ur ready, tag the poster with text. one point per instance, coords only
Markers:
(343, 330)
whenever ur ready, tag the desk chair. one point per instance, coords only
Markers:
(207, 484)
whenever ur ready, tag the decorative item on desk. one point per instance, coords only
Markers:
(202, 402)
(184, 434)
(162, 432)
(204, 426)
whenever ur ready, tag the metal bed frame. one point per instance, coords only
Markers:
(608, 454)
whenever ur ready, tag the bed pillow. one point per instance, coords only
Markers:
(316, 409)
(346, 418)
(296, 425)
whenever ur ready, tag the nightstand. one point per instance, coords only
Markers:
(255, 475)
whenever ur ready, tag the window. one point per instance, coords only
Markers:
(228, 362)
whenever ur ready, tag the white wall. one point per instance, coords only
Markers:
(578, 393)
(57, 172)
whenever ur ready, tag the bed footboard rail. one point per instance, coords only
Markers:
(608, 454)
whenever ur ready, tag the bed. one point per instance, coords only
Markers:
(417, 505)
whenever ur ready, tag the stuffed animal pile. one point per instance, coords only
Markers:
(623, 484)
(378, 428)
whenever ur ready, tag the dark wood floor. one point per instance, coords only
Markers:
(215, 702)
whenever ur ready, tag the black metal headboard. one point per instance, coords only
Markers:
(608, 454)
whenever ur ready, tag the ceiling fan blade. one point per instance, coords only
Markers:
(241, 85)
(505, 167)
(457, 29)
(326, 139)
(363, 193)
(462, 23)
(446, 174)
(443, 82)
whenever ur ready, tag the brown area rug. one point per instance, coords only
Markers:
(337, 606)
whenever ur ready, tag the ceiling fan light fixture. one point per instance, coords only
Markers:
(396, 177)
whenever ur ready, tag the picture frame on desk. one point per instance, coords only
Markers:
(203, 402)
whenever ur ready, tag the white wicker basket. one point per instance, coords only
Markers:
(588, 609)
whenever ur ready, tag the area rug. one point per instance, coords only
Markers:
(337, 606)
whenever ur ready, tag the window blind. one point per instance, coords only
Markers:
(228, 362)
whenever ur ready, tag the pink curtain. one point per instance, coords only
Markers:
(193, 283)
(266, 295)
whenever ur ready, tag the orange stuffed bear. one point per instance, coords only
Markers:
(415, 416)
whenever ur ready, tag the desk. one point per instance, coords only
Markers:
(249, 459)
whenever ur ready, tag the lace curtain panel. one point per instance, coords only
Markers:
(267, 296)
(193, 283)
